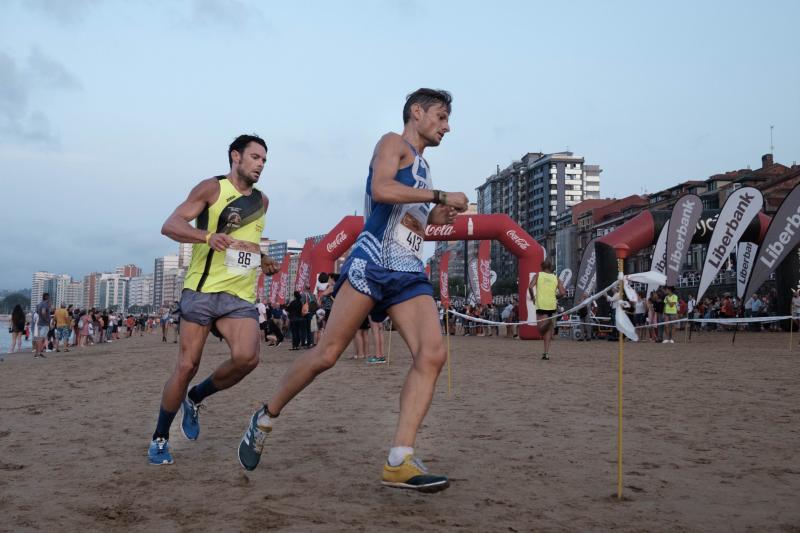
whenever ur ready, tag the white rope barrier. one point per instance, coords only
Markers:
(676, 321)
(563, 323)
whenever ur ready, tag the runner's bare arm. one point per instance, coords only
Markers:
(386, 161)
(561, 290)
(532, 285)
(177, 226)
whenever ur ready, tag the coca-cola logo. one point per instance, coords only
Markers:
(339, 239)
(444, 230)
(486, 275)
(519, 241)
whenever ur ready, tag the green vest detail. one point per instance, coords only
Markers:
(241, 217)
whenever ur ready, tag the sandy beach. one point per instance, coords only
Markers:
(712, 441)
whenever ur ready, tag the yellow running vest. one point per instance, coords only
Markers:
(234, 271)
(546, 287)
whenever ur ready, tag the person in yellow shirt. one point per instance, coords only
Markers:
(670, 314)
(219, 289)
(545, 288)
(63, 329)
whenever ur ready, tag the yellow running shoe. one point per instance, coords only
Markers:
(413, 474)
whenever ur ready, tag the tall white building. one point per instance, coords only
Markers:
(74, 294)
(112, 292)
(39, 286)
(162, 264)
(140, 291)
(184, 254)
(57, 288)
(172, 286)
(533, 191)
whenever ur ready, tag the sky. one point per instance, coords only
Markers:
(112, 110)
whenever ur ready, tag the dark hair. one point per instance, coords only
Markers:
(323, 277)
(296, 295)
(46, 296)
(426, 98)
(547, 264)
(241, 142)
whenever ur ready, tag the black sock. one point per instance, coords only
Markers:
(202, 390)
(165, 419)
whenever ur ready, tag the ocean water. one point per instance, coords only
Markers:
(5, 338)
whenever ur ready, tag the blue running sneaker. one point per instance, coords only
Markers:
(252, 443)
(158, 454)
(376, 360)
(190, 425)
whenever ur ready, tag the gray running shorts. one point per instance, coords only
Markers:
(205, 308)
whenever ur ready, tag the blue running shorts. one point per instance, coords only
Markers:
(385, 287)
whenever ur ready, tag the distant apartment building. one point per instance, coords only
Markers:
(129, 271)
(533, 192)
(140, 291)
(90, 286)
(184, 254)
(162, 265)
(112, 292)
(277, 250)
(172, 285)
(60, 290)
(39, 286)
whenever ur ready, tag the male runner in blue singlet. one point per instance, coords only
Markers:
(384, 275)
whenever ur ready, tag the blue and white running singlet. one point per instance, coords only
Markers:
(393, 234)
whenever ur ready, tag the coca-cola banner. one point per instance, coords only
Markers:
(659, 261)
(283, 280)
(587, 274)
(783, 236)
(303, 277)
(739, 210)
(745, 259)
(485, 272)
(682, 225)
(444, 280)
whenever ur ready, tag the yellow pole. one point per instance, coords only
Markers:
(619, 387)
(449, 370)
(389, 350)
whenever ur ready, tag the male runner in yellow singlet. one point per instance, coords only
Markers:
(219, 289)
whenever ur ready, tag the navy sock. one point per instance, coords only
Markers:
(202, 390)
(165, 419)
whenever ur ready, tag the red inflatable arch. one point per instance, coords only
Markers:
(497, 227)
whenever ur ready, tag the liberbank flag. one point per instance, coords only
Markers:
(444, 289)
(587, 274)
(659, 262)
(745, 259)
(682, 225)
(739, 210)
(783, 236)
